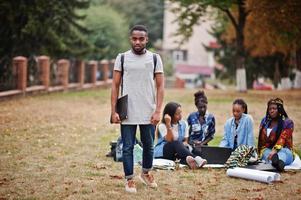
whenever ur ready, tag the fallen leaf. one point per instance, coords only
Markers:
(258, 198)
(278, 181)
(258, 189)
(99, 166)
(168, 191)
(245, 190)
(116, 177)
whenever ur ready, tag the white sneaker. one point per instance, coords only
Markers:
(200, 162)
(148, 179)
(191, 162)
(130, 186)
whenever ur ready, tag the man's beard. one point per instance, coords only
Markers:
(141, 51)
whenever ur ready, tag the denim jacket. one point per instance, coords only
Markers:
(244, 132)
(158, 151)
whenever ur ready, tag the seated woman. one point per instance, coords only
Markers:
(275, 141)
(173, 136)
(238, 130)
(201, 124)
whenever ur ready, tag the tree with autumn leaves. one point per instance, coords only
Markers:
(274, 29)
(259, 28)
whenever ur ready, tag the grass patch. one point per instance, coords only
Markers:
(93, 174)
(216, 140)
(55, 140)
(50, 158)
(187, 176)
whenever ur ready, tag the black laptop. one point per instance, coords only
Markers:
(213, 155)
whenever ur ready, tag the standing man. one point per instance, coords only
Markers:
(143, 82)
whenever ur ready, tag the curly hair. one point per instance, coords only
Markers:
(200, 96)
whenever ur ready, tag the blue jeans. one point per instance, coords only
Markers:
(285, 154)
(128, 135)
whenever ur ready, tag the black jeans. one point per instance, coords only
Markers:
(176, 149)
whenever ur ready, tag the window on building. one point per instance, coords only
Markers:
(179, 55)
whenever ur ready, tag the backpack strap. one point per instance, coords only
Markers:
(155, 63)
(122, 69)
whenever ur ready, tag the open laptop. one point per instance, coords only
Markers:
(213, 155)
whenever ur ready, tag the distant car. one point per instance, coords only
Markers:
(262, 86)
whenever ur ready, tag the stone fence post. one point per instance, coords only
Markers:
(63, 70)
(93, 66)
(44, 65)
(20, 65)
(105, 69)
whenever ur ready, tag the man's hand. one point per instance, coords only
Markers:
(271, 154)
(115, 118)
(155, 118)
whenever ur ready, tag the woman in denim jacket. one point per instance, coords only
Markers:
(238, 130)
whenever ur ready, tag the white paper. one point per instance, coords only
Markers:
(214, 166)
(295, 165)
(161, 163)
(252, 174)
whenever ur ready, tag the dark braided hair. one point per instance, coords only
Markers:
(170, 109)
(282, 115)
(279, 103)
(200, 96)
(242, 103)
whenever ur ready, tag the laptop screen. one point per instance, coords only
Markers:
(213, 155)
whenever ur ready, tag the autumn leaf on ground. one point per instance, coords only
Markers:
(116, 177)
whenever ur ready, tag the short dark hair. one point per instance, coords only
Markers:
(242, 103)
(139, 28)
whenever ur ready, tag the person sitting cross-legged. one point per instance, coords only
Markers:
(173, 137)
(275, 141)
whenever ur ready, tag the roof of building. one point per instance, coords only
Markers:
(193, 69)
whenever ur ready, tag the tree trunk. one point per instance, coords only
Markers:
(276, 75)
(241, 78)
(286, 83)
(297, 82)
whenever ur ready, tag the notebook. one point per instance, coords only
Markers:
(213, 155)
(122, 107)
